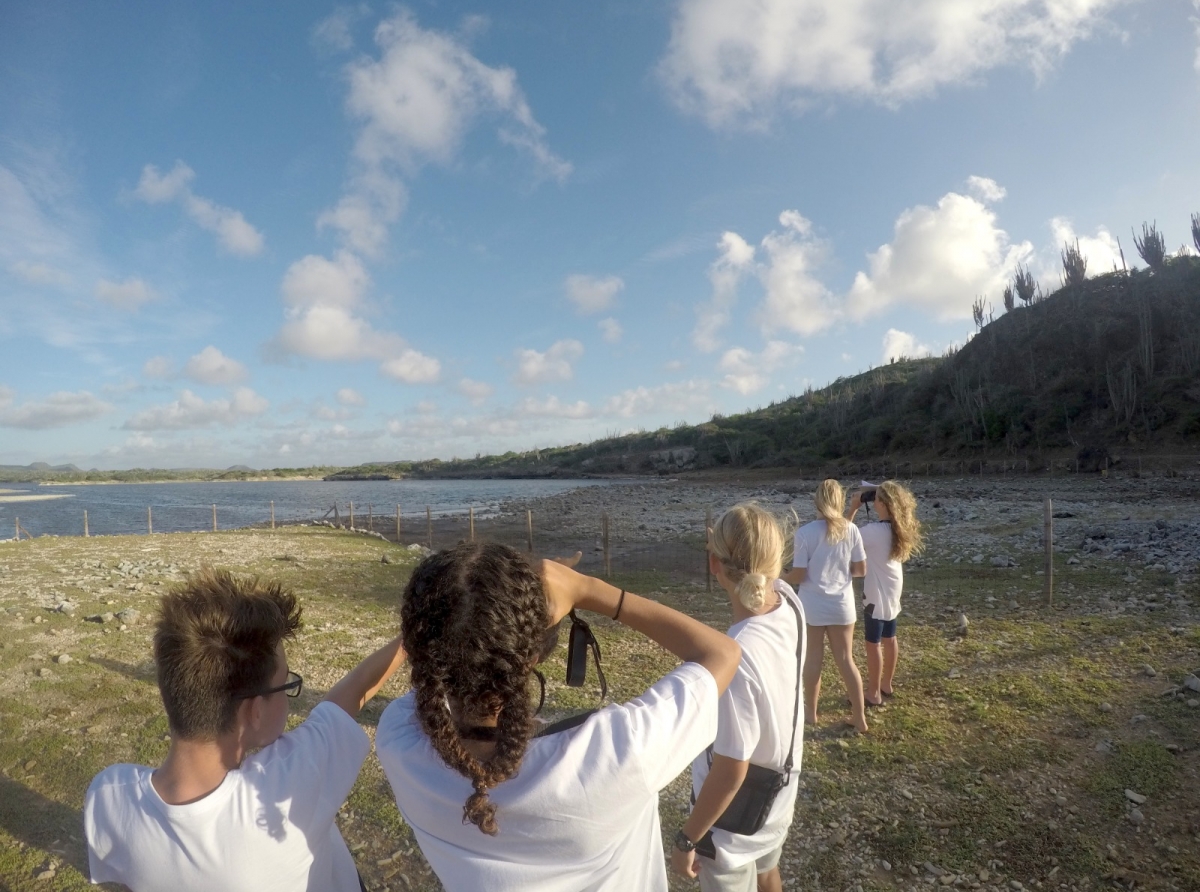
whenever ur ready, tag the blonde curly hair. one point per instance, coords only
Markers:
(906, 529)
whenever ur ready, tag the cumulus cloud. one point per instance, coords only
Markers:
(553, 407)
(795, 299)
(902, 345)
(415, 103)
(41, 274)
(412, 367)
(592, 294)
(333, 33)
(128, 295)
(749, 371)
(1102, 252)
(191, 411)
(738, 61)
(553, 365)
(347, 396)
(610, 330)
(56, 410)
(735, 258)
(940, 259)
(158, 367)
(678, 397)
(211, 366)
(475, 391)
(231, 229)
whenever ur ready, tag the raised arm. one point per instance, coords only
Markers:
(690, 640)
(364, 680)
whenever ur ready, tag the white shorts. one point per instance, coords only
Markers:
(738, 879)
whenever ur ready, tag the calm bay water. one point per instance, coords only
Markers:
(120, 508)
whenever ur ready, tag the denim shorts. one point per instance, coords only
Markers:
(877, 629)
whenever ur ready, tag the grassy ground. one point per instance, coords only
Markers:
(1003, 759)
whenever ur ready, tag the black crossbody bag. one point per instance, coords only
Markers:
(752, 803)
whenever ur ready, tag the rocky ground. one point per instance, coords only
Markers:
(1029, 747)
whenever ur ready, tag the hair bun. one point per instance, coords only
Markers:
(752, 590)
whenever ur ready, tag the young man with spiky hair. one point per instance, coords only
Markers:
(238, 804)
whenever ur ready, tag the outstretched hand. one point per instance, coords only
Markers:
(563, 585)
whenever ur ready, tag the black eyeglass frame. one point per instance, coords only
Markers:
(292, 687)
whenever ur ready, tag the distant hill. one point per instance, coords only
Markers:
(40, 472)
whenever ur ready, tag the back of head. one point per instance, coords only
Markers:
(748, 542)
(906, 529)
(474, 620)
(830, 502)
(216, 642)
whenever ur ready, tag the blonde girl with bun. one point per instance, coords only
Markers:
(757, 715)
(828, 554)
(889, 542)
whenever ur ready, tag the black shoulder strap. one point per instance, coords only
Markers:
(565, 724)
(787, 766)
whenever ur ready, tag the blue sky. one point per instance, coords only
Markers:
(287, 234)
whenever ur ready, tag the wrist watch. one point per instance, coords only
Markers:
(682, 842)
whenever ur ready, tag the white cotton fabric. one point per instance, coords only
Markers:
(827, 591)
(269, 827)
(754, 723)
(884, 582)
(582, 813)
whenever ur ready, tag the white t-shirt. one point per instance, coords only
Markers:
(582, 813)
(268, 826)
(827, 591)
(754, 723)
(885, 576)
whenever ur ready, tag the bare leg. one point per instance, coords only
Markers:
(874, 671)
(814, 657)
(770, 881)
(841, 644)
(891, 653)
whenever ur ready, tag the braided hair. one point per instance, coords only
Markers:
(474, 620)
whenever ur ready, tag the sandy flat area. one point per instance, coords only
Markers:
(24, 497)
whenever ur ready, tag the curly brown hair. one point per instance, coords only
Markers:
(474, 620)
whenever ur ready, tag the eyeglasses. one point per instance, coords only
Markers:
(292, 687)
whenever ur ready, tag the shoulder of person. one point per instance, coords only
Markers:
(327, 729)
(398, 720)
(122, 774)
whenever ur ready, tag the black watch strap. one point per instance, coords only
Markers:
(682, 842)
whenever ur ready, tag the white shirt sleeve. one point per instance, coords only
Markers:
(664, 728)
(800, 551)
(857, 551)
(315, 765)
(739, 726)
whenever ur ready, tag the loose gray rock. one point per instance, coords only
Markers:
(1149, 671)
(66, 608)
(1136, 816)
(1135, 798)
(1106, 707)
(129, 615)
(62, 659)
(44, 672)
(385, 559)
(1192, 683)
(1193, 703)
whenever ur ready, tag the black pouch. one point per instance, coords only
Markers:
(581, 641)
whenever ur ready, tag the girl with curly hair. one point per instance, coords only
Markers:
(495, 805)
(889, 542)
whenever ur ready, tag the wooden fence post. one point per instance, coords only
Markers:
(85, 526)
(1048, 535)
(370, 517)
(149, 521)
(214, 518)
(352, 515)
(18, 532)
(607, 555)
(272, 514)
(429, 525)
(707, 570)
(337, 516)
(471, 522)
(397, 524)
(529, 527)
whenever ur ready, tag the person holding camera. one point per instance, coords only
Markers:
(889, 542)
(828, 555)
(493, 803)
(744, 784)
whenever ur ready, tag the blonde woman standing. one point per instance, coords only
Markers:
(828, 555)
(888, 543)
(757, 716)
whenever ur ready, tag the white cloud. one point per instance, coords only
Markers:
(56, 410)
(416, 102)
(41, 274)
(412, 367)
(318, 281)
(191, 411)
(347, 396)
(675, 397)
(940, 259)
(748, 372)
(127, 295)
(986, 189)
(902, 345)
(795, 299)
(332, 34)
(735, 259)
(1102, 252)
(552, 407)
(159, 367)
(610, 330)
(211, 366)
(1196, 25)
(553, 365)
(592, 294)
(232, 231)
(475, 391)
(738, 61)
